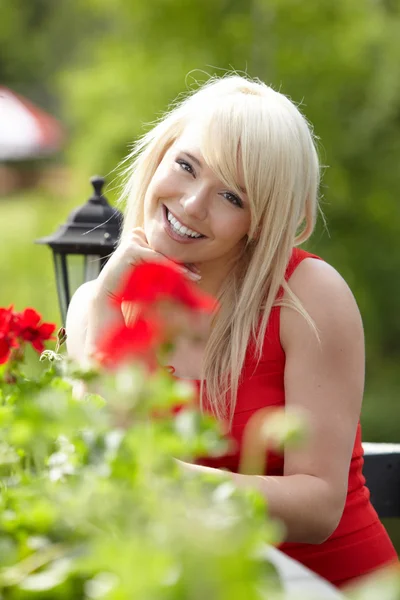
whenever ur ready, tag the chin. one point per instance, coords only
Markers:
(160, 244)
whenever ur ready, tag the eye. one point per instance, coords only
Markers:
(185, 166)
(233, 199)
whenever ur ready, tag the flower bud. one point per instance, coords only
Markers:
(61, 336)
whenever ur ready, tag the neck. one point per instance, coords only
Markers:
(213, 276)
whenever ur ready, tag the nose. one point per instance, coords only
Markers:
(195, 205)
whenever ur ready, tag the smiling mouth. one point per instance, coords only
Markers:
(179, 229)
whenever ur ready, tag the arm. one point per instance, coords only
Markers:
(325, 379)
(89, 314)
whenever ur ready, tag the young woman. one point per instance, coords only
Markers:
(226, 185)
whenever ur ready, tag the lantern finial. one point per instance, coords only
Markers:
(98, 183)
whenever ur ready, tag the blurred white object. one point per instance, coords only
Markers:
(25, 130)
(380, 448)
(299, 583)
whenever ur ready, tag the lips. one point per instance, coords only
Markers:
(167, 210)
(172, 233)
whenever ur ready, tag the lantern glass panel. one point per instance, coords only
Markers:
(92, 266)
(75, 272)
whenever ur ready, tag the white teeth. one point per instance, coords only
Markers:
(181, 229)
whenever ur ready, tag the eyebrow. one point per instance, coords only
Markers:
(198, 163)
(193, 158)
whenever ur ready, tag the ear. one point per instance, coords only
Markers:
(256, 235)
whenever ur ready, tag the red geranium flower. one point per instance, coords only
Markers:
(8, 338)
(5, 349)
(123, 344)
(8, 320)
(151, 282)
(155, 290)
(30, 329)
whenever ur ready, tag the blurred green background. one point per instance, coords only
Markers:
(106, 68)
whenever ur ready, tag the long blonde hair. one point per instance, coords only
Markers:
(249, 125)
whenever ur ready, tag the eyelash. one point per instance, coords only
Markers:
(183, 164)
(235, 200)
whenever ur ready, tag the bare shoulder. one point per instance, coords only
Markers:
(79, 305)
(81, 298)
(326, 297)
(317, 277)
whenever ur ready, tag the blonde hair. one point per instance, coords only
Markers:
(249, 125)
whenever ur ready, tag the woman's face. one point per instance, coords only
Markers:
(190, 215)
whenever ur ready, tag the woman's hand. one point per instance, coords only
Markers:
(133, 250)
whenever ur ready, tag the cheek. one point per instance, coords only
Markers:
(155, 191)
(164, 183)
(231, 230)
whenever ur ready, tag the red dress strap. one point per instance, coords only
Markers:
(298, 255)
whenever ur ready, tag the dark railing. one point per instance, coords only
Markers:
(382, 473)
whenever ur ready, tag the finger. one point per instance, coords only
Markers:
(138, 233)
(193, 268)
(135, 238)
(191, 275)
(146, 254)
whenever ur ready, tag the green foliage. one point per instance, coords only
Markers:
(94, 503)
(346, 60)
(37, 39)
(26, 270)
(141, 65)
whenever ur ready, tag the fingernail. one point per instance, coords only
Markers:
(193, 268)
(194, 276)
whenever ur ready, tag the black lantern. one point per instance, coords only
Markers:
(82, 246)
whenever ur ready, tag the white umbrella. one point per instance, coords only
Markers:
(25, 130)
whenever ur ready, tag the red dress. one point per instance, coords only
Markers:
(360, 543)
